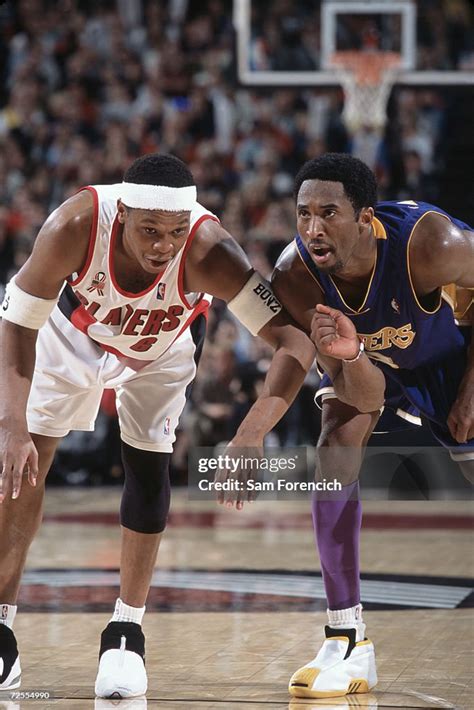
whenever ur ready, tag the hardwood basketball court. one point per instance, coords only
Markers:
(237, 604)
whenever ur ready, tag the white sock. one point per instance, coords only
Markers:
(7, 614)
(344, 618)
(124, 612)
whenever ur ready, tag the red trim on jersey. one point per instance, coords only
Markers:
(113, 237)
(92, 235)
(82, 319)
(201, 307)
(186, 248)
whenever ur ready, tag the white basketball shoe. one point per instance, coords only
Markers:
(10, 671)
(121, 671)
(343, 665)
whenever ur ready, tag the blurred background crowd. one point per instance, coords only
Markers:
(86, 86)
(286, 34)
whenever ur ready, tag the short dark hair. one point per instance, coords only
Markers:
(159, 169)
(357, 178)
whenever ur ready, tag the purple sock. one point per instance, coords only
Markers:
(336, 526)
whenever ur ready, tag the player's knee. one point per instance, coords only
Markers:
(146, 494)
(340, 446)
(352, 432)
(46, 448)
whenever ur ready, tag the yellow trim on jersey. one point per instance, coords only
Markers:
(408, 264)
(375, 355)
(358, 311)
(379, 229)
(448, 294)
(460, 301)
(379, 233)
(464, 304)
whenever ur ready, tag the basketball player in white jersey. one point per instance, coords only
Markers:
(114, 295)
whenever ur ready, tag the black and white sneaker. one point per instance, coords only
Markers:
(10, 671)
(121, 671)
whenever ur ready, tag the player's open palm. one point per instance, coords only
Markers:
(17, 453)
(334, 334)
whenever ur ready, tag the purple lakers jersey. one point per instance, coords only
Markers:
(397, 329)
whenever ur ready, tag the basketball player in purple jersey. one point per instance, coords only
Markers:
(368, 279)
(115, 295)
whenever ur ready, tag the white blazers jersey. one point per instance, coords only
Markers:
(138, 326)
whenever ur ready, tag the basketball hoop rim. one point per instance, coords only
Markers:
(366, 67)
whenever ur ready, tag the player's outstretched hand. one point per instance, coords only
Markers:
(461, 416)
(18, 453)
(334, 334)
(238, 472)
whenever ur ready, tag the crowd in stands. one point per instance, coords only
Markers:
(285, 35)
(86, 86)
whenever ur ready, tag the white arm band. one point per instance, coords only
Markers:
(24, 309)
(255, 305)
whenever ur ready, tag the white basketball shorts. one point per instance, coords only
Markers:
(71, 372)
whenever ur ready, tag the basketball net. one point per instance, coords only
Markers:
(367, 78)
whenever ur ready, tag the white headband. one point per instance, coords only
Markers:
(158, 197)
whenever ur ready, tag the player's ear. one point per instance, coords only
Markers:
(366, 216)
(121, 211)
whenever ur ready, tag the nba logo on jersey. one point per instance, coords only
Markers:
(167, 426)
(160, 291)
(395, 306)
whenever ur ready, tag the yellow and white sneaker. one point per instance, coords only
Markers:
(342, 666)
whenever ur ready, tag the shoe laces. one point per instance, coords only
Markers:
(123, 644)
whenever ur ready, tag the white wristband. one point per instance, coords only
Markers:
(24, 309)
(255, 305)
(361, 350)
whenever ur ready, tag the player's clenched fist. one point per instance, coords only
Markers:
(334, 334)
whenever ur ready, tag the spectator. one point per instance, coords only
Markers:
(87, 87)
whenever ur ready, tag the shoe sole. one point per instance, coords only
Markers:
(112, 692)
(358, 685)
(117, 695)
(12, 686)
(13, 680)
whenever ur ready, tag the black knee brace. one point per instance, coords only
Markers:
(146, 493)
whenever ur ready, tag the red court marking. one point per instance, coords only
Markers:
(40, 597)
(285, 521)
